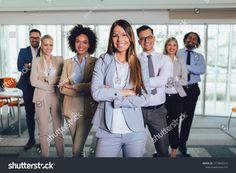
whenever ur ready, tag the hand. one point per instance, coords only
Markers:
(42, 78)
(62, 83)
(27, 65)
(128, 92)
(69, 86)
(177, 78)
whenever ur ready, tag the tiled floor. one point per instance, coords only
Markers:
(208, 138)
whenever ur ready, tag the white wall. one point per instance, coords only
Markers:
(108, 17)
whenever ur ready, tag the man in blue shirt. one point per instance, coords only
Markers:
(196, 66)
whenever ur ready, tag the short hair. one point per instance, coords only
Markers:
(142, 28)
(35, 30)
(198, 37)
(78, 30)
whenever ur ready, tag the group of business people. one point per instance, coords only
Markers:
(120, 92)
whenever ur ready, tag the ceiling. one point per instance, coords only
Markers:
(103, 5)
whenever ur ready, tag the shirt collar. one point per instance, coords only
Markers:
(75, 58)
(145, 53)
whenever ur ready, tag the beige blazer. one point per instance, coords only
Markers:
(180, 70)
(37, 71)
(90, 105)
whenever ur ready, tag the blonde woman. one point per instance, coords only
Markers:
(78, 105)
(45, 75)
(174, 92)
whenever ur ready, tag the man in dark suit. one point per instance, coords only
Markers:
(24, 66)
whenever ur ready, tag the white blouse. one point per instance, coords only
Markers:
(120, 78)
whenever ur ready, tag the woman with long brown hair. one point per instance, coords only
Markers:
(120, 85)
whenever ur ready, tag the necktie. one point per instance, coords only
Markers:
(151, 71)
(188, 61)
(189, 57)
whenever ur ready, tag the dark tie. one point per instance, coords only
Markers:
(151, 71)
(189, 57)
(189, 61)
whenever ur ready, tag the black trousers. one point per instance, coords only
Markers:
(29, 110)
(174, 108)
(189, 105)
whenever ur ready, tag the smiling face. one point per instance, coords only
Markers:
(120, 39)
(47, 46)
(34, 39)
(82, 44)
(192, 41)
(171, 48)
(146, 40)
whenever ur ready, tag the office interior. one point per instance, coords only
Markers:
(213, 133)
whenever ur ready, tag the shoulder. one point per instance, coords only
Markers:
(105, 57)
(198, 54)
(92, 59)
(24, 50)
(181, 60)
(68, 61)
(163, 58)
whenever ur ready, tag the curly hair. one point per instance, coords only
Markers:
(78, 30)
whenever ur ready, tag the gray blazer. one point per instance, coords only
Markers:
(181, 71)
(110, 98)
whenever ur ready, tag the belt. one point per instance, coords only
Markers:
(191, 86)
(153, 107)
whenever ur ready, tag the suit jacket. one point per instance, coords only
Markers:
(180, 70)
(42, 87)
(85, 86)
(111, 98)
(25, 56)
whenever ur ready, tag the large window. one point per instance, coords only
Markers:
(218, 46)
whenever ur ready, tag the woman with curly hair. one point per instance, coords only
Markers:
(78, 105)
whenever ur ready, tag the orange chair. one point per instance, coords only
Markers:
(9, 82)
(233, 110)
(3, 100)
(2, 103)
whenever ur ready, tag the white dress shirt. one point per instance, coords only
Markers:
(171, 90)
(118, 122)
(34, 51)
(162, 71)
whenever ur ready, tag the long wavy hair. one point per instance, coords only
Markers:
(131, 56)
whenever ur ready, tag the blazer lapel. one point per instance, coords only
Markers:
(30, 56)
(110, 73)
(127, 84)
(175, 66)
(70, 67)
(88, 69)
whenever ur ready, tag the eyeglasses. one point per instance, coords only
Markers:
(116, 35)
(148, 38)
(34, 38)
